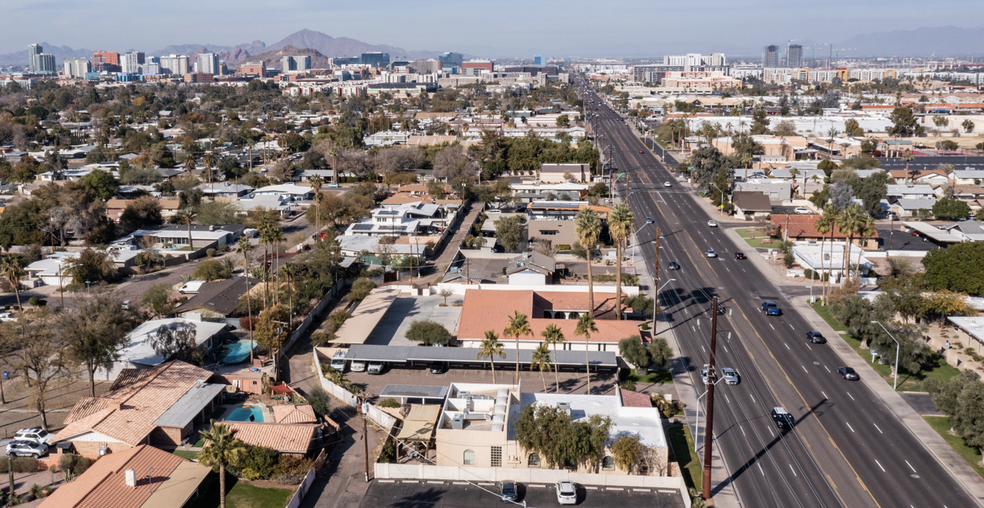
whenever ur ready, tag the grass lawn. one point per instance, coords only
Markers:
(683, 449)
(188, 454)
(240, 495)
(972, 455)
(907, 382)
(658, 377)
(757, 239)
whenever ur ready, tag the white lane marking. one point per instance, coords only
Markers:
(828, 370)
(760, 469)
(791, 326)
(787, 345)
(770, 326)
(725, 348)
(726, 398)
(692, 328)
(753, 398)
(879, 430)
(743, 270)
(743, 433)
(811, 349)
(804, 369)
(824, 395)
(910, 465)
(728, 269)
(879, 465)
(793, 470)
(702, 348)
(849, 426)
(849, 395)
(770, 431)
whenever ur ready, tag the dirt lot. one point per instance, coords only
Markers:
(17, 413)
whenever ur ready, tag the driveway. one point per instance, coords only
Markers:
(392, 328)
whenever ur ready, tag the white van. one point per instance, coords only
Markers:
(338, 361)
(358, 366)
(376, 368)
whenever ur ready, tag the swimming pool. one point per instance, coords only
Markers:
(242, 414)
(238, 352)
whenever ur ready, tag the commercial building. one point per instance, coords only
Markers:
(252, 69)
(174, 64)
(33, 51)
(77, 67)
(296, 63)
(199, 77)
(794, 56)
(106, 61)
(539, 60)
(770, 56)
(691, 62)
(451, 61)
(375, 59)
(476, 67)
(132, 62)
(208, 63)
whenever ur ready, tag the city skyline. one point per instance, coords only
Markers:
(601, 33)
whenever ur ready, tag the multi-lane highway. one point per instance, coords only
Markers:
(847, 448)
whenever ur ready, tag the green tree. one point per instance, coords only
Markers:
(951, 209)
(626, 451)
(221, 449)
(541, 361)
(518, 327)
(852, 222)
(620, 221)
(553, 336)
(91, 266)
(96, 330)
(968, 125)
(360, 289)
(427, 332)
(587, 228)
(660, 352)
(510, 232)
(760, 122)
(102, 183)
(213, 269)
(586, 326)
(563, 121)
(634, 351)
(218, 213)
(12, 269)
(320, 401)
(959, 268)
(903, 122)
(489, 348)
(158, 298)
(853, 129)
(827, 223)
(140, 213)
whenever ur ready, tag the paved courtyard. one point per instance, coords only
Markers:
(392, 328)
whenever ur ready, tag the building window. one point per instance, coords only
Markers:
(469, 458)
(608, 464)
(534, 460)
(496, 456)
(548, 232)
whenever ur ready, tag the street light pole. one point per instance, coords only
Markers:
(709, 433)
(895, 383)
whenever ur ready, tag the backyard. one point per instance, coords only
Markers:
(242, 494)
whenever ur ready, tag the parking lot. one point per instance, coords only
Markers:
(420, 494)
(602, 383)
(392, 328)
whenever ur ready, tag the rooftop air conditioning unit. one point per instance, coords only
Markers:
(464, 395)
(458, 421)
(565, 407)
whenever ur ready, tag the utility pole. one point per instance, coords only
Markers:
(365, 433)
(709, 426)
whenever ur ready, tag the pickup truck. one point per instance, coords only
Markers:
(771, 309)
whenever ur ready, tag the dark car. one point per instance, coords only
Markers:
(439, 368)
(507, 491)
(782, 418)
(815, 337)
(771, 309)
(848, 373)
(673, 265)
(739, 255)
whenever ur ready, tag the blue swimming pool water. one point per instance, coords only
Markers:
(238, 352)
(242, 414)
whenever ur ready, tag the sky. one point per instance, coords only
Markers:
(481, 27)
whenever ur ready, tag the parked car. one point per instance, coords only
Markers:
(710, 253)
(338, 361)
(815, 337)
(26, 449)
(771, 309)
(740, 255)
(802, 210)
(7, 316)
(848, 373)
(34, 435)
(507, 491)
(782, 418)
(712, 224)
(358, 366)
(673, 265)
(376, 368)
(439, 368)
(332, 186)
(566, 493)
(730, 376)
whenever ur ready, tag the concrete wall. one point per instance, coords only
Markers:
(377, 415)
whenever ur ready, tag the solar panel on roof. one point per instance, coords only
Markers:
(362, 227)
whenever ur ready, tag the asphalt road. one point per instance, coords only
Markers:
(847, 448)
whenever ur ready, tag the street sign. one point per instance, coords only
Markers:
(691, 168)
(620, 175)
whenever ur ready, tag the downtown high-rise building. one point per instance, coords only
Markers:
(77, 67)
(296, 63)
(208, 63)
(133, 62)
(770, 57)
(794, 56)
(539, 60)
(375, 59)
(450, 61)
(174, 64)
(32, 52)
(106, 61)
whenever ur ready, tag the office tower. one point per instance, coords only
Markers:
(208, 63)
(375, 59)
(296, 63)
(770, 58)
(132, 62)
(450, 61)
(794, 56)
(717, 60)
(77, 67)
(44, 63)
(174, 64)
(32, 52)
(539, 60)
(106, 61)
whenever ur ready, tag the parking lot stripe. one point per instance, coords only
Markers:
(437, 482)
(537, 486)
(641, 490)
(614, 488)
(459, 483)
(386, 481)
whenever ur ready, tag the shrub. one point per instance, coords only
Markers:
(39, 491)
(360, 290)
(337, 318)
(256, 464)
(33, 300)
(20, 465)
(224, 247)
(73, 465)
(320, 401)
(390, 403)
(213, 269)
(210, 253)
(290, 470)
(563, 246)
(627, 384)
(247, 323)
(388, 453)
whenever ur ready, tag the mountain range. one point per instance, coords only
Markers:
(921, 42)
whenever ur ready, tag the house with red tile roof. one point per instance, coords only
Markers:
(142, 476)
(802, 228)
(487, 309)
(289, 438)
(158, 406)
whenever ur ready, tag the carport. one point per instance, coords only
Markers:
(425, 393)
(356, 329)
(418, 429)
(468, 357)
(933, 233)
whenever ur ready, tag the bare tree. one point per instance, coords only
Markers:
(41, 356)
(455, 165)
(177, 341)
(96, 330)
(352, 162)
(397, 158)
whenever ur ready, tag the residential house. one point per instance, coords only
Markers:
(288, 191)
(52, 270)
(140, 354)
(968, 231)
(115, 207)
(776, 190)
(562, 173)
(911, 207)
(922, 191)
(751, 205)
(968, 176)
(932, 177)
(141, 477)
(305, 175)
(158, 406)
(531, 268)
(554, 220)
(178, 235)
(216, 300)
(224, 191)
(287, 438)
(802, 228)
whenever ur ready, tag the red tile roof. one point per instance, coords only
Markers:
(804, 227)
(289, 413)
(283, 437)
(104, 483)
(634, 399)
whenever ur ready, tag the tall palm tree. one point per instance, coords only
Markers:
(491, 347)
(11, 267)
(865, 230)
(277, 237)
(587, 227)
(586, 325)
(907, 156)
(554, 336)
(188, 215)
(826, 224)
(266, 238)
(541, 361)
(518, 326)
(244, 247)
(221, 448)
(851, 223)
(316, 182)
(209, 162)
(619, 227)
(289, 272)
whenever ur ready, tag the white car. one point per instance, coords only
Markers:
(34, 435)
(712, 224)
(26, 449)
(704, 371)
(357, 366)
(730, 376)
(710, 253)
(7, 316)
(802, 210)
(566, 493)
(667, 184)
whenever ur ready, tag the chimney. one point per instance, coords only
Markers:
(131, 477)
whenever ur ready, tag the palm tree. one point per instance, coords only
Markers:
(865, 230)
(587, 227)
(541, 361)
(277, 237)
(289, 272)
(209, 162)
(851, 223)
(244, 247)
(586, 325)
(554, 336)
(518, 326)
(907, 156)
(793, 172)
(825, 224)
(316, 182)
(188, 216)
(266, 238)
(12, 269)
(619, 227)
(491, 347)
(221, 448)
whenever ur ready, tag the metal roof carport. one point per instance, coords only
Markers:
(428, 355)
(933, 233)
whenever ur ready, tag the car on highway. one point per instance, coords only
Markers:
(848, 373)
(566, 493)
(640, 151)
(507, 492)
(712, 224)
(739, 255)
(710, 253)
(815, 337)
(782, 418)
(667, 184)
(673, 265)
(730, 376)
(704, 371)
(771, 309)
(802, 210)
(26, 449)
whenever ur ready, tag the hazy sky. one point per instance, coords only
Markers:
(490, 28)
